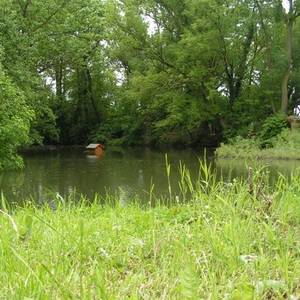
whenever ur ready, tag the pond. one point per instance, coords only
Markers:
(125, 173)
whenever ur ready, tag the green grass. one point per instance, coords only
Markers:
(222, 244)
(284, 146)
(232, 151)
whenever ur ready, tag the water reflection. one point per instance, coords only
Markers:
(124, 173)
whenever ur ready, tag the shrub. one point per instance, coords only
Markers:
(284, 146)
(238, 147)
(271, 128)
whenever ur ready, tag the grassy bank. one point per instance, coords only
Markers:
(284, 146)
(224, 244)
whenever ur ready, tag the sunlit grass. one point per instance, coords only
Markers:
(215, 242)
(284, 146)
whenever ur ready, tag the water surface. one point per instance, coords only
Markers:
(125, 173)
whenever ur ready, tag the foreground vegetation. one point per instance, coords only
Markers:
(224, 241)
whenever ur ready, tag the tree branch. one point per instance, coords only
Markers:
(48, 19)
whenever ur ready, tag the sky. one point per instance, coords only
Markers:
(286, 4)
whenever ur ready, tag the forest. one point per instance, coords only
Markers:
(151, 72)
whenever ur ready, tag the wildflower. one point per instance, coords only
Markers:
(248, 258)
(103, 253)
(138, 242)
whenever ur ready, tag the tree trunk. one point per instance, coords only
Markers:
(59, 80)
(288, 71)
(90, 90)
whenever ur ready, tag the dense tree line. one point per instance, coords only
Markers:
(181, 72)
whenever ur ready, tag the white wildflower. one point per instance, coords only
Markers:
(248, 258)
(103, 253)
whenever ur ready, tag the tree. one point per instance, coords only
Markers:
(149, 72)
(290, 17)
(15, 117)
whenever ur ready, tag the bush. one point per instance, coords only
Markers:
(238, 147)
(284, 146)
(271, 128)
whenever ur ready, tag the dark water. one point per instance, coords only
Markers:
(125, 173)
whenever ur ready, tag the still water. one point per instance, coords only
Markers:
(126, 173)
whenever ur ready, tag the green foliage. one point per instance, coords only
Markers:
(238, 147)
(287, 139)
(272, 127)
(149, 72)
(189, 284)
(15, 117)
(284, 146)
(119, 130)
(43, 128)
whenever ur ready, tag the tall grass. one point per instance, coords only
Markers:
(220, 241)
(283, 146)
